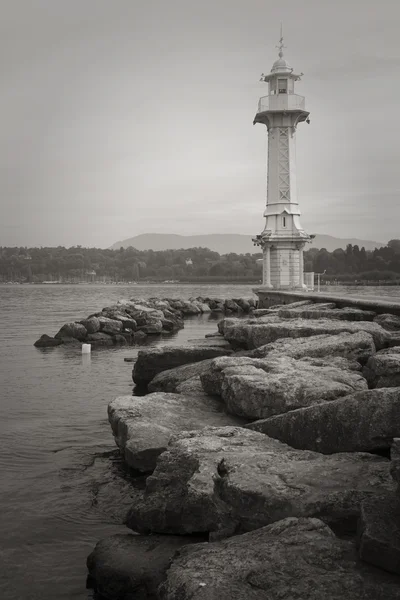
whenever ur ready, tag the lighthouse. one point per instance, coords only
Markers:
(283, 238)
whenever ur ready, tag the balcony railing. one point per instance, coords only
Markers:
(281, 102)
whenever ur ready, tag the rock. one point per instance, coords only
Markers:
(231, 305)
(353, 346)
(231, 480)
(72, 330)
(379, 532)
(45, 341)
(128, 323)
(292, 559)
(243, 304)
(143, 425)
(190, 308)
(383, 369)
(110, 326)
(127, 566)
(139, 337)
(152, 361)
(388, 322)
(168, 381)
(152, 326)
(260, 388)
(365, 421)
(395, 460)
(252, 333)
(120, 339)
(317, 312)
(100, 339)
(204, 307)
(92, 325)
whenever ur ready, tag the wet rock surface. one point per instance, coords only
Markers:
(231, 480)
(170, 380)
(143, 426)
(365, 421)
(259, 388)
(127, 567)
(293, 559)
(383, 369)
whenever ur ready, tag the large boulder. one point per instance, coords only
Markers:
(45, 341)
(389, 322)
(379, 532)
(317, 312)
(110, 326)
(353, 346)
(143, 425)
(100, 339)
(152, 361)
(127, 566)
(383, 369)
(252, 333)
(293, 559)
(72, 330)
(231, 480)
(259, 388)
(170, 380)
(92, 324)
(364, 421)
(153, 326)
(395, 460)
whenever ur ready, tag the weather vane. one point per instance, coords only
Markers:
(281, 45)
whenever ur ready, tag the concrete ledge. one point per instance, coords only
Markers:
(269, 297)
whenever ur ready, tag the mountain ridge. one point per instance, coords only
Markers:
(224, 243)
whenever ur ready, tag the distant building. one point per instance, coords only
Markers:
(283, 238)
(189, 262)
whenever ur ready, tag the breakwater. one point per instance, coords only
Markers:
(272, 440)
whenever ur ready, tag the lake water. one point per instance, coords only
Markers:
(61, 488)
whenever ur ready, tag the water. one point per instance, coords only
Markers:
(61, 488)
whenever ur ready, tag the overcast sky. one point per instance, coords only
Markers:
(121, 117)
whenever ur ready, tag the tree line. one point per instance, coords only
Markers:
(77, 264)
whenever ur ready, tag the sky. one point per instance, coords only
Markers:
(122, 117)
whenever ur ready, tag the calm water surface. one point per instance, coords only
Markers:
(61, 488)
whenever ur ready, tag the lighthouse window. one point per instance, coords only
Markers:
(282, 86)
(284, 221)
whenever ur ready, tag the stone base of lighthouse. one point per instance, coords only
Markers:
(283, 266)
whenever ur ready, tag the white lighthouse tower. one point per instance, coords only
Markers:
(283, 238)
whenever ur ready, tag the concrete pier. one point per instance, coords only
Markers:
(268, 297)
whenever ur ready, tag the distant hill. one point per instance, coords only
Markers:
(223, 243)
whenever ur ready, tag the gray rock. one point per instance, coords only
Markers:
(168, 381)
(317, 312)
(252, 333)
(100, 339)
(45, 341)
(292, 559)
(231, 480)
(92, 325)
(72, 330)
(353, 346)
(139, 337)
(127, 566)
(143, 425)
(389, 322)
(364, 421)
(383, 369)
(379, 532)
(152, 361)
(153, 326)
(395, 460)
(110, 326)
(260, 388)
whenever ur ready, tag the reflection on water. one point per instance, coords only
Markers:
(61, 487)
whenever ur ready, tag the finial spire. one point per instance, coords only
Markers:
(281, 44)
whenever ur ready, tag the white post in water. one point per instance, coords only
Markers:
(86, 348)
(283, 238)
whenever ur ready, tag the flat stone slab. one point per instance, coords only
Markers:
(259, 388)
(389, 322)
(326, 312)
(127, 566)
(353, 346)
(379, 532)
(252, 333)
(143, 425)
(231, 480)
(293, 559)
(362, 422)
(152, 361)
